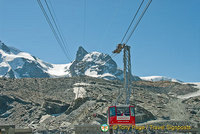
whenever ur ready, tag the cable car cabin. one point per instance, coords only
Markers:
(121, 115)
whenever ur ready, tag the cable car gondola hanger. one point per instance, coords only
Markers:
(125, 114)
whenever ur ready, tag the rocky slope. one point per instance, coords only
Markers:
(57, 104)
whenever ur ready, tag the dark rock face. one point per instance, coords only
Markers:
(4, 103)
(78, 102)
(10, 74)
(5, 48)
(55, 108)
(8, 49)
(80, 53)
(7, 103)
(31, 69)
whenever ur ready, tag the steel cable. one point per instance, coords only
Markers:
(52, 28)
(58, 29)
(138, 21)
(132, 21)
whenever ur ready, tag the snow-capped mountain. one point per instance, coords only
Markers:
(159, 78)
(17, 64)
(96, 64)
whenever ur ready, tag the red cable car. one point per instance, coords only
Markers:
(121, 115)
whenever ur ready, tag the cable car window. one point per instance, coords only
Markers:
(123, 111)
(132, 111)
(112, 111)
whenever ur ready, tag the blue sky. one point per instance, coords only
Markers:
(166, 42)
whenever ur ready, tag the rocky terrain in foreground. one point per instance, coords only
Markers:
(57, 104)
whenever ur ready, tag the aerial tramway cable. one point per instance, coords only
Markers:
(52, 14)
(132, 21)
(84, 23)
(127, 61)
(53, 29)
(138, 21)
(114, 54)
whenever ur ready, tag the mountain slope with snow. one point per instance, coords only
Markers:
(17, 64)
(159, 78)
(192, 94)
(96, 64)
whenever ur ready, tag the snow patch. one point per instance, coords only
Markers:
(59, 70)
(4, 64)
(159, 78)
(81, 84)
(197, 84)
(193, 94)
(10, 57)
(44, 117)
(107, 74)
(41, 63)
(95, 123)
(91, 73)
(79, 92)
(93, 56)
(25, 55)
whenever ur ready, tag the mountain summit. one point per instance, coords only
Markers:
(17, 64)
(80, 53)
(96, 64)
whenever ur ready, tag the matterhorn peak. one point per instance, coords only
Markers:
(80, 53)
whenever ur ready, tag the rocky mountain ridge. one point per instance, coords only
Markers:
(17, 64)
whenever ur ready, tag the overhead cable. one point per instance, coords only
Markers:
(65, 44)
(52, 28)
(132, 21)
(84, 23)
(138, 21)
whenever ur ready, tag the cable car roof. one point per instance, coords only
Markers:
(122, 105)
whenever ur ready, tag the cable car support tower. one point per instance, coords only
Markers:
(127, 73)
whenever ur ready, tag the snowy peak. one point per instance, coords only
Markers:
(80, 53)
(159, 78)
(93, 64)
(98, 58)
(96, 64)
(7, 49)
(18, 64)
